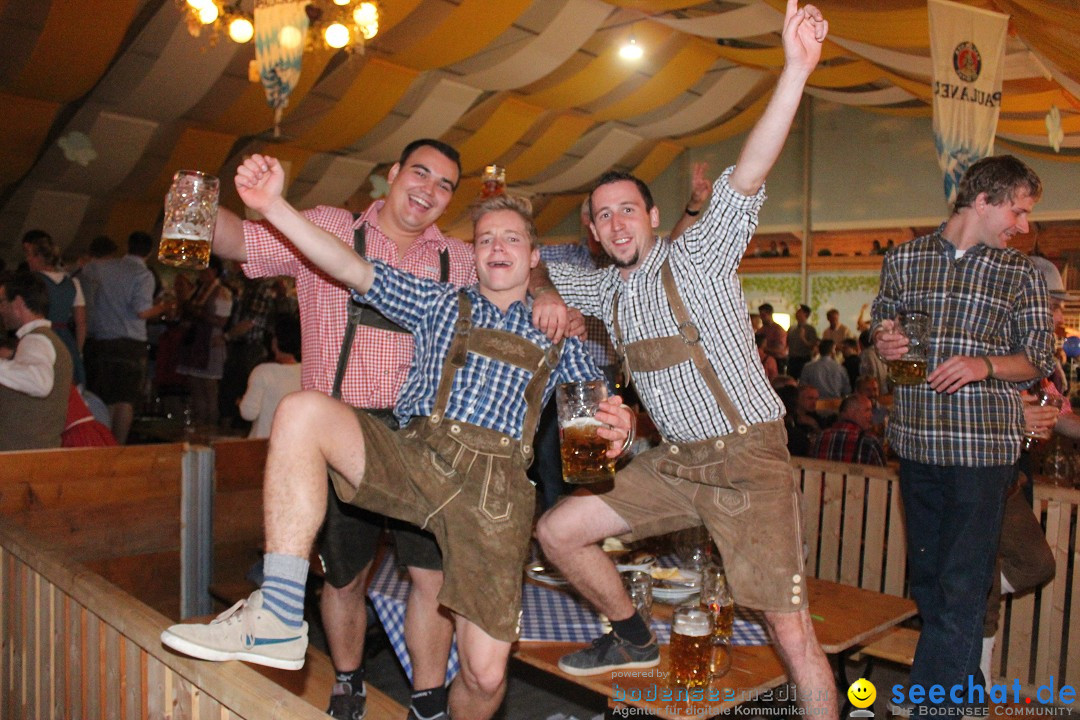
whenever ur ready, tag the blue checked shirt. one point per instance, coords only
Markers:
(703, 260)
(986, 302)
(485, 392)
(597, 341)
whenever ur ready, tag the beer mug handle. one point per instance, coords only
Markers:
(632, 435)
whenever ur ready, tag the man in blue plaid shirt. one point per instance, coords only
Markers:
(958, 434)
(479, 377)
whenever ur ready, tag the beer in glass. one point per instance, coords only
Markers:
(691, 647)
(584, 453)
(717, 601)
(1035, 436)
(190, 214)
(910, 369)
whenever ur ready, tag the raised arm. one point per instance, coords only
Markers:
(260, 180)
(700, 192)
(804, 32)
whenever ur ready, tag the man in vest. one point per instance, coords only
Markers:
(34, 380)
(677, 313)
(469, 409)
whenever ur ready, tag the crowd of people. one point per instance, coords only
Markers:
(410, 384)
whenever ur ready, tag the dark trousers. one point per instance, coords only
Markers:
(953, 521)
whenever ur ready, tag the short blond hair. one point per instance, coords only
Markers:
(514, 203)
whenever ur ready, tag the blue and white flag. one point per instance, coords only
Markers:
(967, 47)
(280, 33)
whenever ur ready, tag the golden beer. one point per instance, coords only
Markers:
(691, 648)
(184, 252)
(907, 372)
(584, 453)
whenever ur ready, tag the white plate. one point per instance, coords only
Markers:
(672, 597)
(542, 574)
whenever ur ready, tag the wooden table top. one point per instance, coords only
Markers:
(843, 616)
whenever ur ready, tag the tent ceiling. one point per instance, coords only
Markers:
(535, 85)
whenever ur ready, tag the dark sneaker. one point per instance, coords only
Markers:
(346, 705)
(243, 632)
(610, 652)
(414, 716)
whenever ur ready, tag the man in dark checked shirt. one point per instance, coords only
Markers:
(958, 434)
(690, 350)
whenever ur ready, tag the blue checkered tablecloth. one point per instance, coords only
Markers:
(549, 614)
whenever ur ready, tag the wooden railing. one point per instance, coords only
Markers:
(76, 646)
(854, 531)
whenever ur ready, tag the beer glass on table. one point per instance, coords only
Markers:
(190, 213)
(910, 369)
(717, 601)
(691, 647)
(584, 452)
(639, 587)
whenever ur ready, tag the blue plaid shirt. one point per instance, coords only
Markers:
(987, 302)
(485, 392)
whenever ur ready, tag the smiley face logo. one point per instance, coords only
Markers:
(862, 693)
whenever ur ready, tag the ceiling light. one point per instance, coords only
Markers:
(241, 30)
(336, 35)
(631, 50)
(208, 13)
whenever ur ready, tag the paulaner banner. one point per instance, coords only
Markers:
(967, 47)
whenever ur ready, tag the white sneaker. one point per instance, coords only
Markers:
(243, 632)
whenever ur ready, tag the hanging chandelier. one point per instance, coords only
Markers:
(335, 24)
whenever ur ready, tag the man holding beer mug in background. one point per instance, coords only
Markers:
(677, 312)
(401, 231)
(469, 408)
(958, 430)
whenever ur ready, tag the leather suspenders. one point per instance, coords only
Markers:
(359, 314)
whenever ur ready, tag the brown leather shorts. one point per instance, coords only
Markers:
(743, 489)
(465, 485)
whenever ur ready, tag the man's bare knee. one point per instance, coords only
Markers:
(426, 583)
(484, 676)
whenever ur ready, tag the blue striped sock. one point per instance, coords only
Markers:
(284, 579)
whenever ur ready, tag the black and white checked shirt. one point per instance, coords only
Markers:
(986, 302)
(703, 260)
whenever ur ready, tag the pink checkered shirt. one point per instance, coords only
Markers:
(380, 359)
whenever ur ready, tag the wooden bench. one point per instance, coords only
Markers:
(855, 535)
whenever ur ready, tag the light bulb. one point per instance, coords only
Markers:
(199, 4)
(631, 50)
(366, 13)
(241, 30)
(336, 35)
(342, 2)
(290, 37)
(208, 13)
(370, 30)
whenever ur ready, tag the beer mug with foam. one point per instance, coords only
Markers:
(911, 368)
(190, 213)
(691, 646)
(584, 453)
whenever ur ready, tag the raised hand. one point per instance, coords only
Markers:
(260, 180)
(804, 32)
(700, 186)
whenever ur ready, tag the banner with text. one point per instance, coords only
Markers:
(967, 47)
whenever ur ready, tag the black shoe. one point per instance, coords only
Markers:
(413, 716)
(610, 652)
(346, 705)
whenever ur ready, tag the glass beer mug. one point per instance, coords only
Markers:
(717, 601)
(691, 647)
(910, 369)
(190, 213)
(584, 453)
